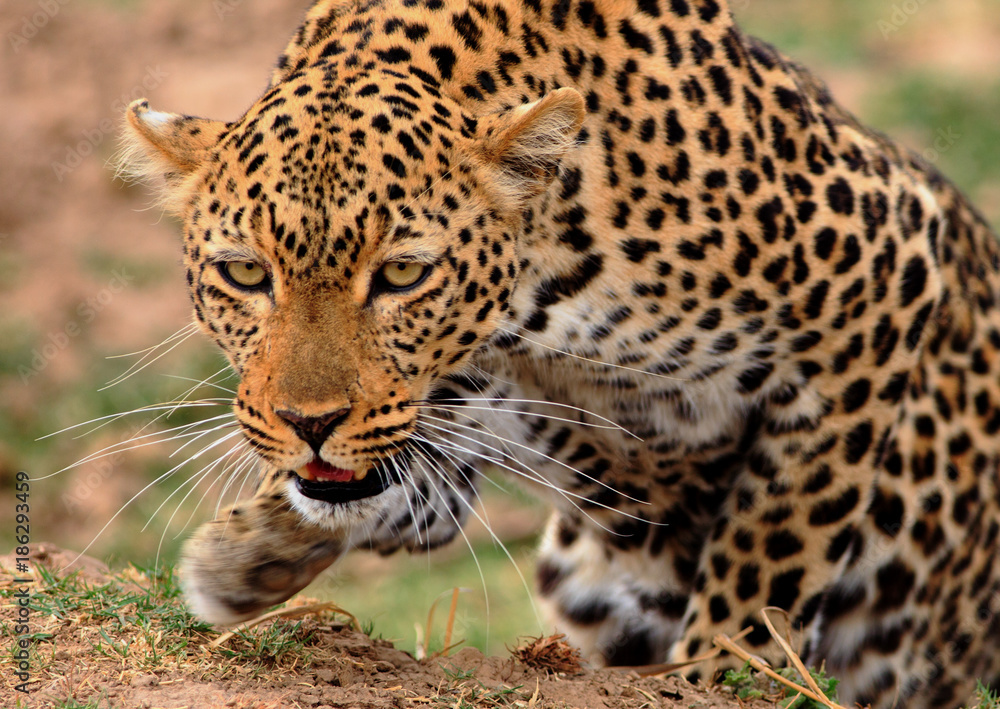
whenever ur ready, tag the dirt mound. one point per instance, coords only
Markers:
(124, 640)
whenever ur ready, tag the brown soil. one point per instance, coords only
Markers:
(336, 667)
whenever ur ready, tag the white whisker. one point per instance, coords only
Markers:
(202, 433)
(111, 418)
(468, 543)
(243, 464)
(145, 361)
(194, 481)
(490, 375)
(195, 476)
(123, 446)
(532, 414)
(235, 465)
(170, 338)
(407, 479)
(134, 497)
(496, 539)
(611, 423)
(534, 477)
(207, 381)
(587, 359)
(536, 452)
(239, 493)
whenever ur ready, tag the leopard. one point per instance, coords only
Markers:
(642, 263)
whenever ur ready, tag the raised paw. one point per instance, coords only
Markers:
(254, 555)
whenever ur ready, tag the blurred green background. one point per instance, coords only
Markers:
(90, 273)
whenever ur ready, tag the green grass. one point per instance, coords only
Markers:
(119, 606)
(747, 683)
(986, 698)
(465, 691)
(136, 619)
(71, 703)
(165, 629)
(261, 648)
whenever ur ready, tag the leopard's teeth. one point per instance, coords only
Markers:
(360, 474)
(304, 473)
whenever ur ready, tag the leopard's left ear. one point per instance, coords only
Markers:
(527, 143)
(164, 148)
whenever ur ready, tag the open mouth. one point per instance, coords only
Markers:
(319, 480)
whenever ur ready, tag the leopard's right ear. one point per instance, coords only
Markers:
(163, 149)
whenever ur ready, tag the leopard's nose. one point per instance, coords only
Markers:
(314, 430)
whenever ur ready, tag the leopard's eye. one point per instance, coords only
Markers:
(403, 274)
(244, 274)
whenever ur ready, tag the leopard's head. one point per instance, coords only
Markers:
(349, 241)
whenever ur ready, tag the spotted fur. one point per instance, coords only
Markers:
(749, 348)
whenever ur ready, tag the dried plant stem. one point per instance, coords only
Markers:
(726, 643)
(287, 612)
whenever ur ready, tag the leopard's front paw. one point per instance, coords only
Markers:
(253, 556)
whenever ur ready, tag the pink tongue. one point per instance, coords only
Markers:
(324, 472)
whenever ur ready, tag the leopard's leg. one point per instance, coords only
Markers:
(262, 551)
(618, 559)
(791, 524)
(915, 618)
(255, 554)
(619, 606)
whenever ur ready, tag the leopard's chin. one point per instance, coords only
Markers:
(336, 511)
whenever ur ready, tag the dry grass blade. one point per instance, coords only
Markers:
(726, 643)
(288, 612)
(791, 654)
(549, 653)
(451, 621)
(533, 702)
(449, 626)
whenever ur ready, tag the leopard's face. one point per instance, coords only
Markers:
(346, 249)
